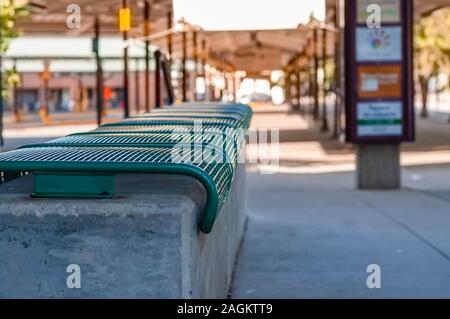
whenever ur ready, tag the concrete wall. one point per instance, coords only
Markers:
(144, 243)
(213, 270)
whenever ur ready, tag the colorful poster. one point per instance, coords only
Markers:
(379, 72)
(390, 10)
(383, 81)
(379, 119)
(378, 45)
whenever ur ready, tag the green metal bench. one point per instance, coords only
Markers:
(88, 172)
(177, 121)
(239, 109)
(197, 116)
(223, 151)
(231, 142)
(83, 165)
(226, 107)
(227, 133)
(207, 109)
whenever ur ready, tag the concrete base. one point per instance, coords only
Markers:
(143, 243)
(378, 166)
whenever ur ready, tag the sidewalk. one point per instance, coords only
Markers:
(31, 130)
(304, 149)
(310, 234)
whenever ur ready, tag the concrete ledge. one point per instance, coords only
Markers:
(143, 243)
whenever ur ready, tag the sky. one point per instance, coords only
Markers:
(247, 14)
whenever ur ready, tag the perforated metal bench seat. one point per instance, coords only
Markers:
(228, 133)
(229, 140)
(89, 171)
(236, 110)
(206, 109)
(214, 105)
(215, 145)
(150, 128)
(83, 165)
(242, 120)
(178, 121)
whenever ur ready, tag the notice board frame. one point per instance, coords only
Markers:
(351, 76)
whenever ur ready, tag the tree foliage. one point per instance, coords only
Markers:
(432, 42)
(432, 50)
(10, 11)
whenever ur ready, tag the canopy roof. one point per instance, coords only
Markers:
(251, 51)
(49, 16)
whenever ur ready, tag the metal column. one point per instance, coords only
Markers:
(147, 54)
(325, 127)
(299, 89)
(136, 86)
(99, 72)
(183, 67)
(204, 54)
(125, 70)
(315, 81)
(169, 36)
(337, 73)
(195, 54)
(158, 79)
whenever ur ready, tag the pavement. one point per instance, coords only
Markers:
(32, 130)
(313, 236)
(310, 234)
